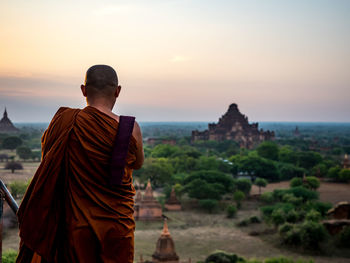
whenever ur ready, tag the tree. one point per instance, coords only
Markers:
(238, 196)
(312, 182)
(288, 171)
(260, 167)
(159, 170)
(268, 150)
(288, 155)
(24, 152)
(231, 211)
(296, 181)
(200, 189)
(13, 166)
(344, 175)
(212, 177)
(309, 159)
(333, 172)
(11, 142)
(164, 150)
(260, 182)
(244, 185)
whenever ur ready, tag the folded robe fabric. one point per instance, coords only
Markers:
(71, 186)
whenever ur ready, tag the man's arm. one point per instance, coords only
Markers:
(139, 152)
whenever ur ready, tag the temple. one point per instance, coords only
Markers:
(172, 204)
(6, 126)
(346, 162)
(233, 125)
(147, 208)
(165, 249)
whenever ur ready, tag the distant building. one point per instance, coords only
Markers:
(165, 249)
(233, 125)
(296, 132)
(147, 208)
(6, 126)
(346, 162)
(154, 141)
(173, 204)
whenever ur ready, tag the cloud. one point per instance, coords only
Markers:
(179, 58)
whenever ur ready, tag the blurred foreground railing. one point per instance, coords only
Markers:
(5, 195)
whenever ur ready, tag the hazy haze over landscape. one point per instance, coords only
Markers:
(179, 60)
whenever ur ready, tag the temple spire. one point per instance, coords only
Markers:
(165, 228)
(5, 113)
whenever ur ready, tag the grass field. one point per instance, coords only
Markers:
(197, 234)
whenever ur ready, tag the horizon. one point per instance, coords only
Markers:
(180, 60)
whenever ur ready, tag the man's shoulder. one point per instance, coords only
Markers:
(64, 114)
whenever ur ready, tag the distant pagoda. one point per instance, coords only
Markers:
(6, 125)
(147, 208)
(165, 249)
(233, 125)
(173, 204)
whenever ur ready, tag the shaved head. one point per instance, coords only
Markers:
(101, 81)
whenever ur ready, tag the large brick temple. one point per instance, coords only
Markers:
(6, 126)
(233, 125)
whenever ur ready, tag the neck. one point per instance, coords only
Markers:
(102, 105)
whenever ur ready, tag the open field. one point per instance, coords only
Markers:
(329, 192)
(28, 171)
(197, 234)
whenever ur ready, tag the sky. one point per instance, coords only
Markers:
(179, 60)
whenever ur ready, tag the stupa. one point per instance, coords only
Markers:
(173, 204)
(147, 208)
(346, 162)
(165, 249)
(6, 125)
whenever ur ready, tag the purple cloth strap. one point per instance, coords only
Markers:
(120, 149)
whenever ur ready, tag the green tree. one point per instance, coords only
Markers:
(268, 150)
(238, 196)
(24, 152)
(260, 167)
(200, 189)
(164, 150)
(288, 155)
(296, 181)
(309, 159)
(158, 170)
(11, 142)
(260, 182)
(288, 171)
(311, 182)
(333, 172)
(244, 185)
(231, 211)
(344, 175)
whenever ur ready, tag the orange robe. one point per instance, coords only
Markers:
(70, 212)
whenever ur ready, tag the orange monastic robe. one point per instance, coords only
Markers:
(70, 212)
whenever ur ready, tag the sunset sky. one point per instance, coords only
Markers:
(179, 60)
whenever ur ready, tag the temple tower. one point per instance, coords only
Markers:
(6, 126)
(173, 204)
(147, 207)
(165, 249)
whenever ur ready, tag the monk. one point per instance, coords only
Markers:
(71, 212)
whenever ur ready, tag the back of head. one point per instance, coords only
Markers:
(101, 81)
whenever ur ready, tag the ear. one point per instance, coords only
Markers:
(83, 90)
(117, 91)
